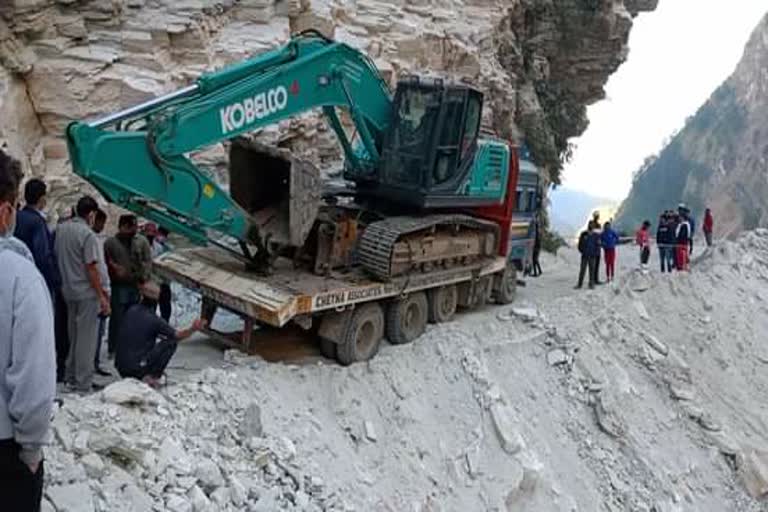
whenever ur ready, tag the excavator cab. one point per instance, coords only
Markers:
(429, 154)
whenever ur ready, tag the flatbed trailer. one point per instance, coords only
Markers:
(351, 311)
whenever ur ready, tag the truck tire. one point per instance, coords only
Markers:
(505, 285)
(442, 303)
(407, 318)
(328, 348)
(362, 335)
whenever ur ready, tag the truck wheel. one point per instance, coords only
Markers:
(442, 303)
(505, 285)
(328, 348)
(362, 335)
(407, 318)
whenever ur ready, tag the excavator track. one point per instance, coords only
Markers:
(398, 245)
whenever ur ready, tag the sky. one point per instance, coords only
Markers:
(679, 54)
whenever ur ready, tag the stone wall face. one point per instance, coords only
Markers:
(540, 62)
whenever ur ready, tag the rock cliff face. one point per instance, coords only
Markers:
(540, 62)
(719, 159)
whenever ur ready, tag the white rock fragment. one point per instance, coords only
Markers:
(131, 392)
(510, 439)
(200, 502)
(71, 498)
(178, 504)
(251, 425)
(527, 314)
(655, 344)
(708, 422)
(680, 392)
(753, 469)
(268, 501)
(221, 496)
(302, 500)
(557, 357)
(93, 465)
(370, 431)
(641, 311)
(110, 442)
(172, 455)
(238, 493)
(80, 445)
(208, 475)
(285, 449)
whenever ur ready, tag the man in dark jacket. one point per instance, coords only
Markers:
(536, 270)
(32, 229)
(146, 342)
(589, 247)
(665, 243)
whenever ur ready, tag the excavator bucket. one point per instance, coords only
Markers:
(282, 193)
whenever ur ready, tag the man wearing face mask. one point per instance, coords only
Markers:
(77, 250)
(27, 360)
(129, 260)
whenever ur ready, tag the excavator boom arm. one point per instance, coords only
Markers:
(138, 158)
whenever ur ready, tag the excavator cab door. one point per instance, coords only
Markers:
(429, 149)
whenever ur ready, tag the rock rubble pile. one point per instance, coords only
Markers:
(199, 446)
(561, 402)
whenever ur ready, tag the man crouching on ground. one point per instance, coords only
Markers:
(139, 352)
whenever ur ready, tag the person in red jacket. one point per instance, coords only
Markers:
(643, 240)
(709, 224)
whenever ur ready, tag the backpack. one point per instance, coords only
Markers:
(582, 241)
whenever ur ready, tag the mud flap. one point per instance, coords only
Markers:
(282, 193)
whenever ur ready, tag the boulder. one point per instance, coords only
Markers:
(753, 469)
(71, 498)
(251, 426)
(208, 475)
(131, 392)
(200, 502)
(93, 465)
(509, 437)
(172, 456)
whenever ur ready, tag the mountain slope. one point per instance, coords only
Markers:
(720, 158)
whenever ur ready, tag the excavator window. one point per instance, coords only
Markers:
(446, 162)
(471, 124)
(407, 148)
(431, 143)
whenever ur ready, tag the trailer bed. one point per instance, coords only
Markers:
(289, 292)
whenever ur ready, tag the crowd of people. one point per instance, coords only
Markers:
(61, 292)
(674, 239)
